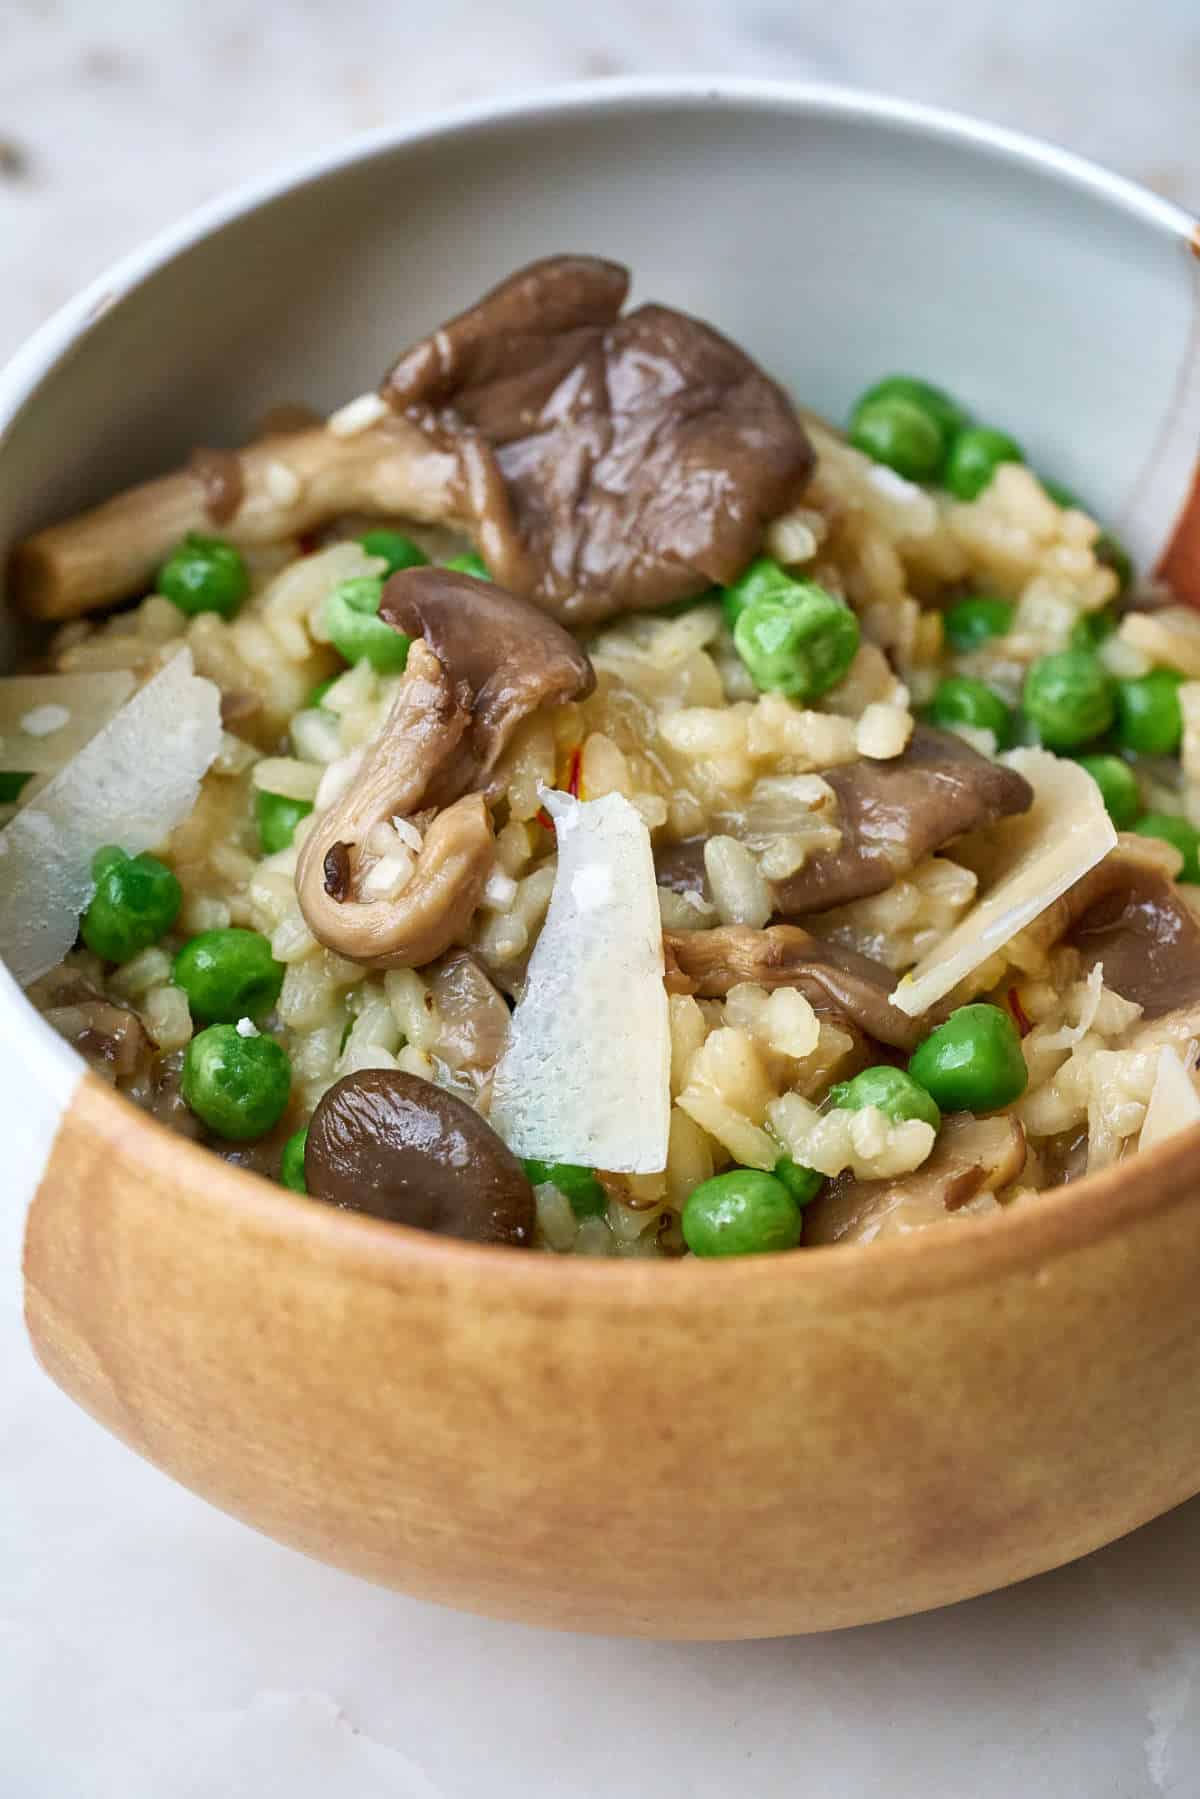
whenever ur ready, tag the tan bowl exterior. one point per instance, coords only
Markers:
(735, 1450)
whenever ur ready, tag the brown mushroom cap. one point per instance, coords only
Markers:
(894, 813)
(831, 978)
(397, 1147)
(1128, 916)
(972, 1156)
(509, 657)
(612, 463)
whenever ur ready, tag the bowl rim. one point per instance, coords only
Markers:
(1062, 1221)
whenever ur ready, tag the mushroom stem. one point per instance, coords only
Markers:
(289, 485)
(432, 910)
(421, 732)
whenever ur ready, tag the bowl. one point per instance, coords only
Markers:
(695, 1450)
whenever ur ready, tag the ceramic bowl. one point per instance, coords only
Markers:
(695, 1450)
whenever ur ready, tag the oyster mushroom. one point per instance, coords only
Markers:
(600, 462)
(271, 490)
(972, 1158)
(613, 463)
(509, 657)
(483, 662)
(833, 979)
(892, 814)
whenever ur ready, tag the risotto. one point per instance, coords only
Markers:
(572, 797)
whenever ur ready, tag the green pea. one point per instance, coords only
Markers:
(945, 412)
(976, 621)
(237, 1086)
(1149, 718)
(1069, 698)
(277, 817)
(975, 455)
(228, 975)
(799, 640)
(973, 1062)
(896, 1094)
(1093, 629)
(356, 629)
(205, 574)
(1118, 788)
(959, 700)
(901, 434)
(137, 900)
(763, 577)
(1177, 831)
(470, 564)
(802, 1183)
(11, 785)
(397, 550)
(742, 1213)
(317, 697)
(579, 1185)
(291, 1165)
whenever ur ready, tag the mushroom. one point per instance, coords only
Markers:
(892, 814)
(600, 462)
(1127, 915)
(613, 463)
(282, 486)
(972, 1157)
(483, 662)
(831, 978)
(397, 1147)
(508, 656)
(474, 1018)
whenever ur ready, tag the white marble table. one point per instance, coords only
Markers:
(149, 1647)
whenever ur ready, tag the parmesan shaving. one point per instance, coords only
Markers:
(47, 719)
(131, 785)
(1032, 860)
(1174, 1103)
(585, 1077)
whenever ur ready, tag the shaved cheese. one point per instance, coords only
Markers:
(1031, 860)
(585, 1077)
(131, 785)
(1174, 1102)
(47, 719)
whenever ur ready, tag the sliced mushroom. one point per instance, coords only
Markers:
(474, 1018)
(833, 979)
(613, 463)
(507, 656)
(892, 814)
(1127, 915)
(399, 1148)
(972, 1157)
(111, 1038)
(284, 487)
(680, 867)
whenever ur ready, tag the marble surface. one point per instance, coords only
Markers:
(115, 119)
(150, 1646)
